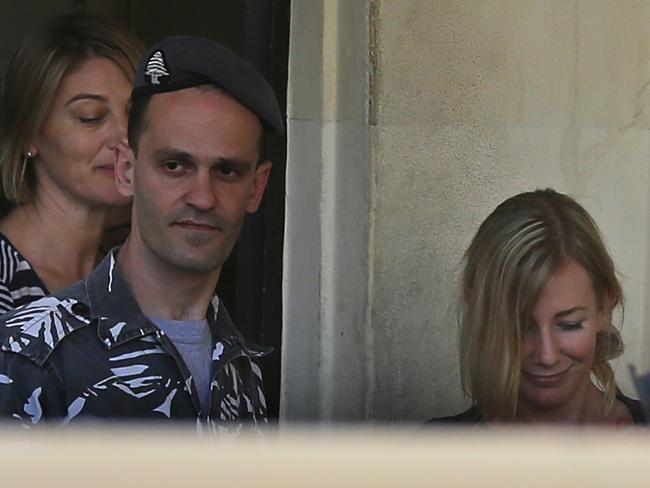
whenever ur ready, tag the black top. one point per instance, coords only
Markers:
(472, 416)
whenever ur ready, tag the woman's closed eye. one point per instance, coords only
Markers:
(91, 119)
(572, 325)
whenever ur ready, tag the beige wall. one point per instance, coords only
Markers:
(470, 102)
(327, 362)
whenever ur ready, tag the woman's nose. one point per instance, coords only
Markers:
(119, 128)
(546, 348)
(122, 123)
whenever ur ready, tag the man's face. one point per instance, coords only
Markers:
(195, 178)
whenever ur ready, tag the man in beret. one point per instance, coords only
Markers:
(144, 336)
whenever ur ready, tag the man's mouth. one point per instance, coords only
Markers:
(196, 226)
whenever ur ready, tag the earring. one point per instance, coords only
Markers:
(29, 154)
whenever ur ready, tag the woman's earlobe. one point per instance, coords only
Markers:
(31, 152)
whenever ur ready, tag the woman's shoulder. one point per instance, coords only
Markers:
(19, 283)
(635, 408)
(11, 260)
(471, 416)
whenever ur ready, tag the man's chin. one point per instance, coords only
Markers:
(188, 262)
(198, 266)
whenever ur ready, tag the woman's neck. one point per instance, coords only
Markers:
(586, 406)
(61, 242)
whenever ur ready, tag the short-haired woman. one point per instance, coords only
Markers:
(65, 103)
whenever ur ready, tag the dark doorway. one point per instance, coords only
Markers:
(258, 30)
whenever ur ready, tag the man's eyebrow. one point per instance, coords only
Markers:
(171, 153)
(239, 163)
(164, 153)
(87, 96)
(568, 311)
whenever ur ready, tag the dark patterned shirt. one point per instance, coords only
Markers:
(19, 283)
(88, 352)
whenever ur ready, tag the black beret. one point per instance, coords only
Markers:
(179, 62)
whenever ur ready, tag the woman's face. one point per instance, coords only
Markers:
(560, 342)
(75, 149)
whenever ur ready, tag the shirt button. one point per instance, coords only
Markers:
(79, 308)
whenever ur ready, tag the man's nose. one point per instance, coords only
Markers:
(201, 193)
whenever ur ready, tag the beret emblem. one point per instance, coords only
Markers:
(156, 68)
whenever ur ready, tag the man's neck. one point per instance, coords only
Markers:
(163, 291)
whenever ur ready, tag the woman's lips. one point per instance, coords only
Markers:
(107, 168)
(546, 380)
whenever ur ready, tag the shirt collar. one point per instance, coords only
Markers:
(121, 319)
(112, 303)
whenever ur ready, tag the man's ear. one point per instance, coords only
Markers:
(262, 173)
(124, 169)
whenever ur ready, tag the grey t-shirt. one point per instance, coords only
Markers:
(194, 343)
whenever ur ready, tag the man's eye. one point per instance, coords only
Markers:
(228, 171)
(173, 166)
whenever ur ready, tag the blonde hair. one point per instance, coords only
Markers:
(511, 259)
(33, 76)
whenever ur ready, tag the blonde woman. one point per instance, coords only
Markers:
(65, 102)
(538, 292)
